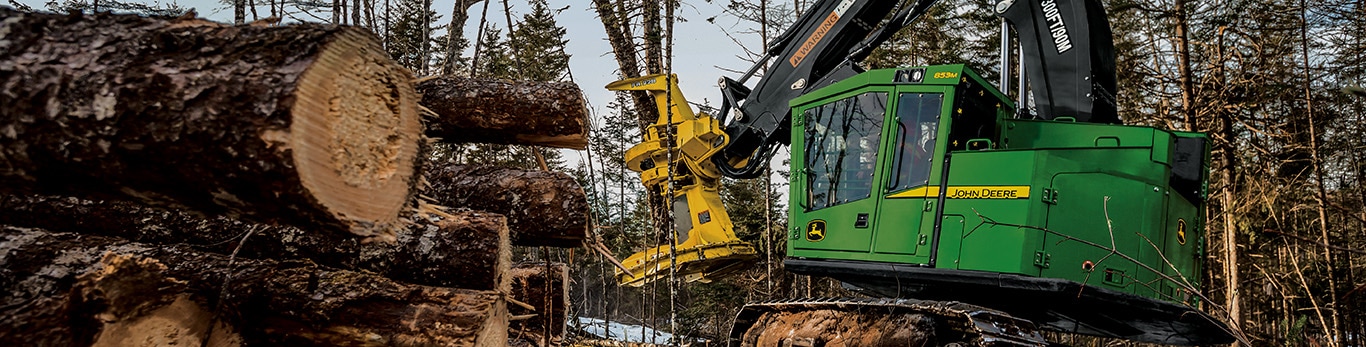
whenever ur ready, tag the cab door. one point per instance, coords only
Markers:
(837, 187)
(906, 212)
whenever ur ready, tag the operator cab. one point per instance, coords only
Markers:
(870, 150)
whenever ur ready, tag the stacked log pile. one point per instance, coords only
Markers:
(183, 182)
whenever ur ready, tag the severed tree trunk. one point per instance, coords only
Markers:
(464, 249)
(305, 124)
(847, 328)
(268, 302)
(128, 300)
(544, 287)
(543, 208)
(551, 114)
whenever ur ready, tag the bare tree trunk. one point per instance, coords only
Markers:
(355, 12)
(1334, 332)
(241, 136)
(424, 67)
(239, 11)
(615, 19)
(1228, 176)
(1183, 63)
(388, 35)
(456, 31)
(370, 16)
(652, 36)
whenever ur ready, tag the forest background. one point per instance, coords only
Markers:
(1275, 83)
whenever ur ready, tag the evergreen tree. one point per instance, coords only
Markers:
(540, 45)
(411, 42)
(156, 8)
(492, 58)
(935, 38)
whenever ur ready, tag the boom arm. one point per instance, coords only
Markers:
(810, 54)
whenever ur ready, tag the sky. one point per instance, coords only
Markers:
(703, 50)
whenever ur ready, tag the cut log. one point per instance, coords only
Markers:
(543, 287)
(270, 303)
(122, 301)
(543, 208)
(841, 328)
(463, 249)
(305, 124)
(129, 301)
(551, 114)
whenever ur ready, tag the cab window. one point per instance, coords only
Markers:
(841, 147)
(917, 126)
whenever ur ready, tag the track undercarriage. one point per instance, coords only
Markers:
(879, 322)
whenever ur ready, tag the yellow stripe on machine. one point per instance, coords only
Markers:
(967, 192)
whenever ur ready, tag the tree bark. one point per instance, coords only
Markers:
(269, 302)
(1334, 331)
(615, 21)
(551, 114)
(305, 124)
(543, 286)
(652, 37)
(1183, 63)
(464, 249)
(456, 31)
(543, 208)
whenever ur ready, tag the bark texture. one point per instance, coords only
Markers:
(551, 114)
(837, 328)
(543, 208)
(616, 21)
(464, 249)
(304, 124)
(269, 302)
(122, 301)
(545, 288)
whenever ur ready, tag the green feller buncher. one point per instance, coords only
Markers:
(966, 217)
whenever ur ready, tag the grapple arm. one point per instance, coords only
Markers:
(675, 153)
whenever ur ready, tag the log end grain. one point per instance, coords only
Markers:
(183, 322)
(356, 134)
(310, 125)
(129, 300)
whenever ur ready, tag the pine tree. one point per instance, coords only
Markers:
(539, 45)
(937, 37)
(410, 42)
(493, 58)
(157, 9)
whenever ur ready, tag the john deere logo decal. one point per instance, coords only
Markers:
(1181, 230)
(815, 230)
